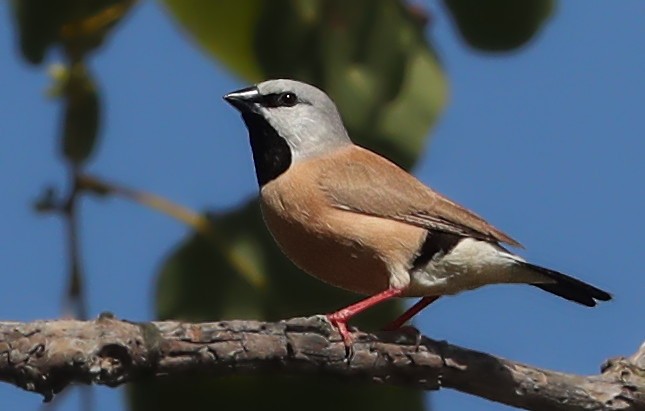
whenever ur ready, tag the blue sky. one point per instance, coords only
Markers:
(547, 144)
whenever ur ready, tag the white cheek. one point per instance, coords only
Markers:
(302, 136)
(307, 136)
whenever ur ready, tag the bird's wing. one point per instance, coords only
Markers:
(360, 181)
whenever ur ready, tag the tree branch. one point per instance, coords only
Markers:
(46, 356)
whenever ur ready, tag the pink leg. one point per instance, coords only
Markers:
(340, 317)
(411, 312)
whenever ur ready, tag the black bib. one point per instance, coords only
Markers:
(271, 153)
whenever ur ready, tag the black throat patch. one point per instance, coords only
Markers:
(271, 153)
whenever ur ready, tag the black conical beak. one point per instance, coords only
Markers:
(244, 99)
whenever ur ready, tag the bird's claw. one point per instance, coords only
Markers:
(414, 333)
(340, 323)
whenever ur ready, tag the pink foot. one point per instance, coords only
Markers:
(339, 318)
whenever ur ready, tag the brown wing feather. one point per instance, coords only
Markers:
(358, 180)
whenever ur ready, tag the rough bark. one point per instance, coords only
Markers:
(46, 356)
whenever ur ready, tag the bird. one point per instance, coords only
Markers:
(355, 220)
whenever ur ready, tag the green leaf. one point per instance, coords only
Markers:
(198, 283)
(37, 23)
(223, 29)
(371, 56)
(499, 25)
(79, 25)
(82, 115)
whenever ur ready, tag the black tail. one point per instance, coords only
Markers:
(570, 288)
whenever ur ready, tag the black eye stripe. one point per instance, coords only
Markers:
(286, 99)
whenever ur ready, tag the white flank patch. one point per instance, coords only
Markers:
(470, 264)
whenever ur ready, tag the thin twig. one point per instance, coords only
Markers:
(75, 292)
(197, 221)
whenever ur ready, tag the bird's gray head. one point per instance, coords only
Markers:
(287, 121)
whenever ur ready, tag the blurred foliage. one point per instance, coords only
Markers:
(81, 118)
(371, 56)
(499, 25)
(77, 25)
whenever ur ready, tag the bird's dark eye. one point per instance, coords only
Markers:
(281, 100)
(289, 99)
